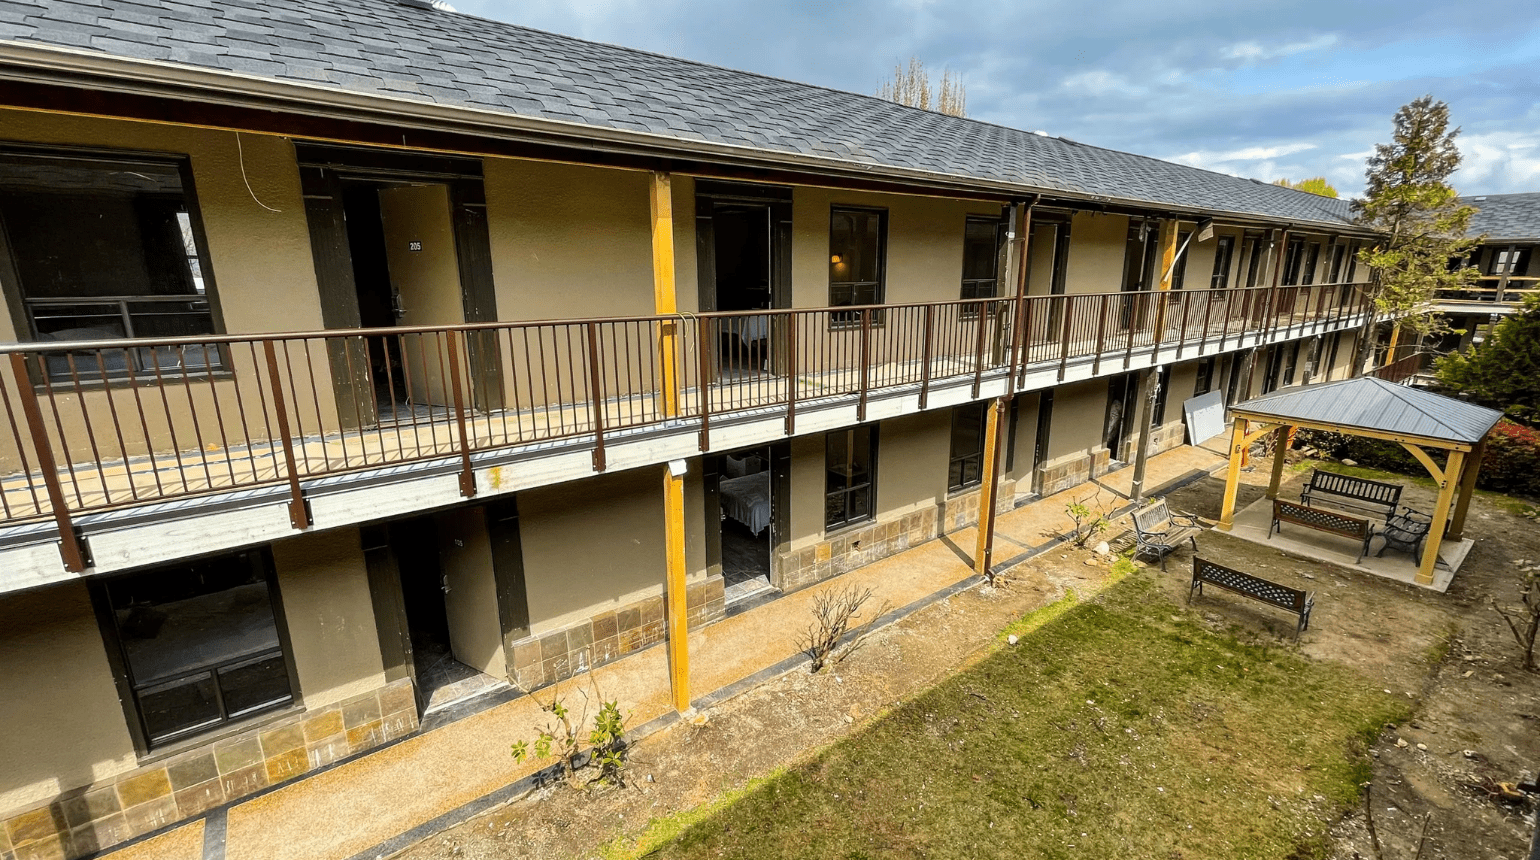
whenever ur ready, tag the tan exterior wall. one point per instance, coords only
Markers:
(333, 640)
(1079, 412)
(1096, 247)
(572, 567)
(912, 454)
(63, 724)
(1026, 438)
(1040, 259)
(924, 251)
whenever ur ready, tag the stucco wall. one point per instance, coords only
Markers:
(1096, 247)
(591, 544)
(1026, 440)
(333, 640)
(912, 454)
(1079, 412)
(63, 724)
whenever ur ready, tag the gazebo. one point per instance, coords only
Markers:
(1365, 406)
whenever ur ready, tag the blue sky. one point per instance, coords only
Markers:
(1264, 90)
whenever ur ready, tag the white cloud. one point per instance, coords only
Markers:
(1210, 158)
(1256, 51)
(1098, 82)
(1498, 162)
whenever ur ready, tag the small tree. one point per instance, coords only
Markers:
(911, 86)
(1504, 371)
(1408, 198)
(1313, 185)
(1525, 620)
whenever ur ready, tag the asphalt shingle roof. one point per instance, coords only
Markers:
(1368, 403)
(1506, 216)
(397, 49)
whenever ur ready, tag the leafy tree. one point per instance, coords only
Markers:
(911, 86)
(1504, 371)
(1313, 185)
(1409, 199)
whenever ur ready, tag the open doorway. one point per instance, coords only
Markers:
(1122, 391)
(743, 238)
(745, 496)
(441, 678)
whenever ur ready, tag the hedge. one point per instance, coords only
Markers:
(1511, 464)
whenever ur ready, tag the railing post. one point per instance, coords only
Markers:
(866, 360)
(1068, 305)
(71, 548)
(595, 395)
(791, 373)
(702, 339)
(467, 476)
(1023, 353)
(299, 514)
(930, 325)
(1101, 337)
(979, 323)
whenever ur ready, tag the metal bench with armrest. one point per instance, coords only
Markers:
(1158, 531)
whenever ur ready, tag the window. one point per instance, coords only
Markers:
(1312, 257)
(967, 458)
(1162, 388)
(982, 240)
(1290, 363)
(1510, 261)
(1205, 381)
(100, 248)
(1179, 268)
(1222, 254)
(1293, 262)
(850, 457)
(198, 644)
(857, 245)
(1338, 256)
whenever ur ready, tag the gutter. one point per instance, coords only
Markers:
(53, 65)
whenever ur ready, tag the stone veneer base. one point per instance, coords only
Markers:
(599, 639)
(145, 799)
(1074, 471)
(853, 548)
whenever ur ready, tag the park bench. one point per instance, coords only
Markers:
(1322, 520)
(1290, 599)
(1346, 491)
(1157, 531)
(1405, 532)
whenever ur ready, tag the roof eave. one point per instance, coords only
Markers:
(47, 64)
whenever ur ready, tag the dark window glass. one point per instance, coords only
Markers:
(856, 247)
(1222, 257)
(1253, 250)
(1205, 381)
(106, 249)
(1510, 261)
(1312, 257)
(850, 458)
(1162, 388)
(200, 644)
(1338, 256)
(981, 258)
(967, 457)
(1293, 261)
(1290, 363)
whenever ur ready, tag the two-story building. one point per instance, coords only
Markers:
(360, 358)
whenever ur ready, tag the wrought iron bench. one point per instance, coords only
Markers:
(1322, 520)
(1346, 491)
(1405, 532)
(1290, 599)
(1157, 531)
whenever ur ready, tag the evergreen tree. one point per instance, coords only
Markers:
(1408, 197)
(1504, 371)
(1313, 185)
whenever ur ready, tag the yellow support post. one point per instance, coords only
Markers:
(677, 609)
(1238, 446)
(1280, 446)
(1446, 488)
(1467, 488)
(1168, 249)
(983, 554)
(664, 303)
(663, 299)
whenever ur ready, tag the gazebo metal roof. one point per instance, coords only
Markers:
(1369, 404)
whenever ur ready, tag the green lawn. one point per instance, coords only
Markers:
(1118, 728)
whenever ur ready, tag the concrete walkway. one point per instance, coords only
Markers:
(394, 796)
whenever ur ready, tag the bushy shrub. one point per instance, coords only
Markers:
(1371, 453)
(1511, 464)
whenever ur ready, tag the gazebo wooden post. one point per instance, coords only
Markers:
(1281, 439)
(1448, 483)
(1467, 487)
(1238, 445)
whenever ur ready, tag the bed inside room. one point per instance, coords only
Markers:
(744, 490)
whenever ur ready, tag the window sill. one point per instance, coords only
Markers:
(844, 529)
(223, 732)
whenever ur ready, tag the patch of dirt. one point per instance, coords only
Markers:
(1449, 655)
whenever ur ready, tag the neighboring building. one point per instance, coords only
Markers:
(470, 355)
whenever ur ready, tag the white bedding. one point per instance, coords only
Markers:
(747, 500)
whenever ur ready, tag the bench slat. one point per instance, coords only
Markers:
(1291, 599)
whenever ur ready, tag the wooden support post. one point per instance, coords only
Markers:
(1447, 485)
(1280, 447)
(1238, 445)
(675, 589)
(983, 556)
(1467, 487)
(1149, 391)
(664, 302)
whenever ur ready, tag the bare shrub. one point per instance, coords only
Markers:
(1525, 622)
(834, 611)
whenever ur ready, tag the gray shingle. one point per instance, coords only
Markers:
(1368, 403)
(1506, 216)
(385, 47)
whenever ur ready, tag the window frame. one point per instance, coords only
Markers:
(128, 692)
(1224, 253)
(999, 226)
(14, 291)
(878, 287)
(954, 458)
(870, 486)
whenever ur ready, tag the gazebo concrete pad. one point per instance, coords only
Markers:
(1254, 522)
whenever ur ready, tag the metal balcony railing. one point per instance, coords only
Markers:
(97, 425)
